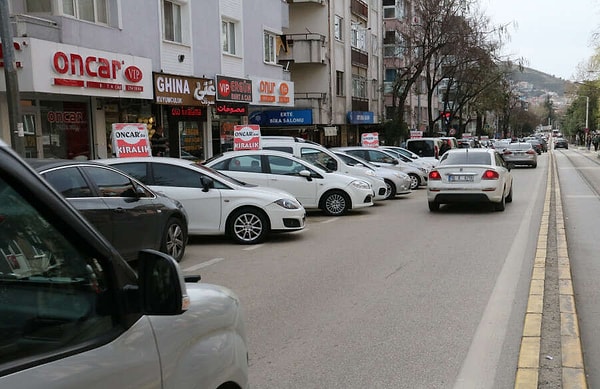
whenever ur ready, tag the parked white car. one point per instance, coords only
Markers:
(383, 158)
(215, 203)
(429, 164)
(398, 183)
(325, 159)
(314, 187)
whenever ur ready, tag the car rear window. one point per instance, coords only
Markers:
(466, 159)
(519, 146)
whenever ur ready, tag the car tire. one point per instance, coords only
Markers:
(534, 165)
(500, 206)
(335, 203)
(174, 238)
(509, 197)
(434, 206)
(247, 226)
(390, 191)
(415, 181)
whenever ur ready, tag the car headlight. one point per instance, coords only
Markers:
(360, 184)
(370, 173)
(288, 203)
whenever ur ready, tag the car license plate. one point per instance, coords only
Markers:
(460, 178)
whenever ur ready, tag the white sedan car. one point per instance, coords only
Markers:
(314, 187)
(215, 203)
(470, 176)
(397, 182)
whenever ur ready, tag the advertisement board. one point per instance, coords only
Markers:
(130, 140)
(369, 139)
(246, 137)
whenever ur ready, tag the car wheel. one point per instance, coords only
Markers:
(174, 239)
(510, 195)
(434, 206)
(335, 203)
(414, 181)
(534, 165)
(390, 189)
(501, 205)
(247, 226)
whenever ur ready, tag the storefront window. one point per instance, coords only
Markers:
(65, 130)
(190, 141)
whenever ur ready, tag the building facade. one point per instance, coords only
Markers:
(194, 68)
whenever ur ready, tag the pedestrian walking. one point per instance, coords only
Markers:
(595, 141)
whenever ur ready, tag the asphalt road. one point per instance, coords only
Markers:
(392, 296)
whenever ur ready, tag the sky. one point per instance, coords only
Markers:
(554, 36)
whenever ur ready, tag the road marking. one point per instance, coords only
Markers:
(479, 367)
(329, 220)
(203, 264)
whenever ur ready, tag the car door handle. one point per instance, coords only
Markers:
(119, 210)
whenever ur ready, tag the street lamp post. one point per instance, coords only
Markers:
(587, 112)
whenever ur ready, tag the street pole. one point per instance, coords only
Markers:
(12, 85)
(587, 112)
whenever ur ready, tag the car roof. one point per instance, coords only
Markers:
(40, 164)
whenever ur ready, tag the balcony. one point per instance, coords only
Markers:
(359, 58)
(303, 48)
(360, 8)
(35, 27)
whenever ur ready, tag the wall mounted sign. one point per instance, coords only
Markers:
(170, 89)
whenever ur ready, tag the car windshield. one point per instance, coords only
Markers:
(519, 146)
(466, 158)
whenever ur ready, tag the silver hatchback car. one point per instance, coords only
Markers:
(520, 153)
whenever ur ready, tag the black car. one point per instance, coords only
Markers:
(130, 215)
(561, 143)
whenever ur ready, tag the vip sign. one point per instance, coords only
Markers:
(246, 137)
(130, 140)
(370, 139)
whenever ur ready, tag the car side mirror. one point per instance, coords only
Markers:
(306, 174)
(161, 284)
(207, 183)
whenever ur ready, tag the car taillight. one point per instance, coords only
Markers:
(490, 175)
(531, 152)
(507, 152)
(435, 175)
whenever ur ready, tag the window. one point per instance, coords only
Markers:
(269, 41)
(172, 21)
(54, 293)
(339, 83)
(95, 11)
(285, 166)
(228, 37)
(38, 6)
(359, 37)
(389, 9)
(319, 158)
(68, 182)
(359, 86)
(338, 27)
(111, 183)
(245, 163)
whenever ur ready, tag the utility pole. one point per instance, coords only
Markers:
(12, 84)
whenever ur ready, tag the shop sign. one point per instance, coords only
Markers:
(266, 91)
(171, 89)
(246, 137)
(130, 140)
(196, 112)
(233, 109)
(299, 117)
(51, 67)
(414, 134)
(369, 139)
(330, 131)
(234, 89)
(360, 117)
(17, 49)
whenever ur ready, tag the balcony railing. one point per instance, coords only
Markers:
(360, 8)
(304, 48)
(35, 27)
(359, 58)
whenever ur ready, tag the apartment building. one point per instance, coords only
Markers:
(333, 54)
(194, 68)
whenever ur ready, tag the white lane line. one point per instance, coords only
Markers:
(479, 367)
(203, 264)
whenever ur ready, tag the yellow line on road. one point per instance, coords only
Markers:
(528, 366)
